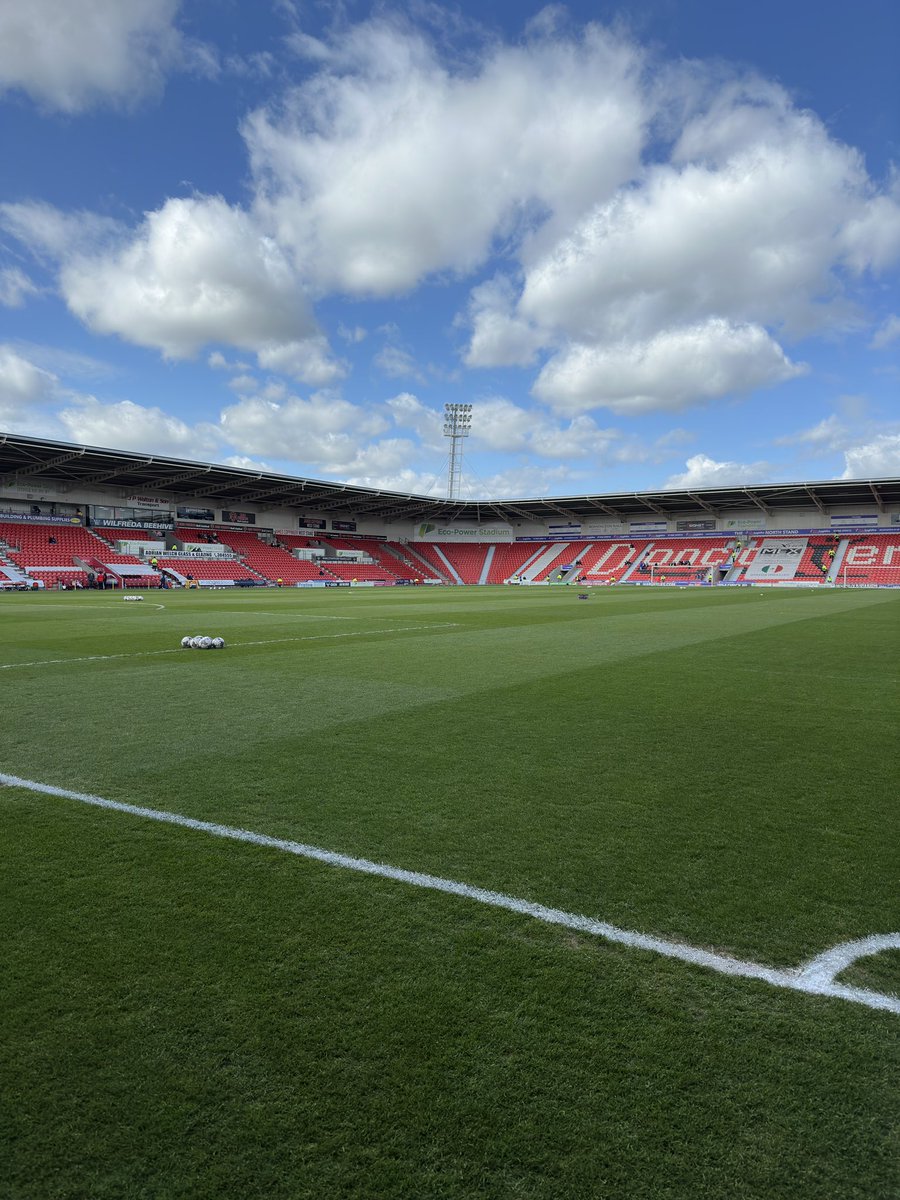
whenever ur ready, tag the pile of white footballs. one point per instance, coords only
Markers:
(202, 643)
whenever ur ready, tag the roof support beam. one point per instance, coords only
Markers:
(313, 501)
(611, 512)
(878, 501)
(37, 467)
(653, 507)
(702, 503)
(816, 501)
(164, 484)
(756, 500)
(103, 476)
(276, 491)
(563, 512)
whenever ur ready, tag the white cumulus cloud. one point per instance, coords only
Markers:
(500, 336)
(879, 457)
(323, 430)
(23, 387)
(130, 426)
(195, 272)
(387, 165)
(70, 54)
(677, 368)
(703, 471)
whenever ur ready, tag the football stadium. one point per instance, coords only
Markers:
(534, 848)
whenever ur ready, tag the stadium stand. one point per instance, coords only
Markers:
(48, 552)
(294, 541)
(466, 560)
(567, 554)
(610, 561)
(207, 570)
(388, 556)
(418, 568)
(815, 565)
(260, 559)
(684, 560)
(363, 572)
(56, 553)
(427, 553)
(508, 560)
(870, 559)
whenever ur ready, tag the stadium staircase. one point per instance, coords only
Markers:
(406, 568)
(433, 555)
(818, 558)
(739, 559)
(465, 560)
(434, 568)
(13, 575)
(511, 559)
(611, 561)
(541, 566)
(49, 553)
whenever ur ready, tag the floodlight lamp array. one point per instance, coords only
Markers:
(457, 420)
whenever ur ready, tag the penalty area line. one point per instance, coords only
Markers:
(815, 977)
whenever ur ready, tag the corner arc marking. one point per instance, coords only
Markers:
(825, 967)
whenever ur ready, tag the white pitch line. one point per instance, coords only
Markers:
(311, 637)
(69, 612)
(285, 616)
(815, 977)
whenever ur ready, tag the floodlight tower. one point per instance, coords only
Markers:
(457, 423)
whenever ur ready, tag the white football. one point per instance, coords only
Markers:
(195, 642)
(186, 643)
(218, 643)
(206, 643)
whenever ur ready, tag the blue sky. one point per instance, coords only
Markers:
(653, 245)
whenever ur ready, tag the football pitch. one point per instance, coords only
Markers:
(475, 892)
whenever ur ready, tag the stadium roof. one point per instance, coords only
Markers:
(79, 467)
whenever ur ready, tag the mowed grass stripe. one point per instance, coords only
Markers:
(204, 1020)
(193, 1019)
(660, 794)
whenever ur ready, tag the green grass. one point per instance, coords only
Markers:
(191, 1018)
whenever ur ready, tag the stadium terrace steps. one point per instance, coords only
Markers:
(543, 564)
